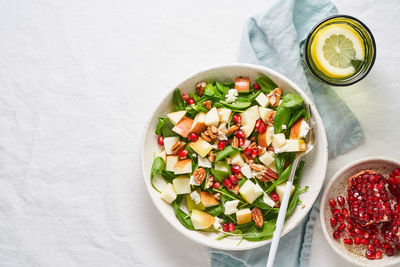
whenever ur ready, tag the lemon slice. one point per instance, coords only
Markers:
(334, 48)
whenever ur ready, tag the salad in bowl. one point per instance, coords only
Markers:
(226, 153)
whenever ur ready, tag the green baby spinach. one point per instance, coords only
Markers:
(266, 84)
(177, 100)
(157, 167)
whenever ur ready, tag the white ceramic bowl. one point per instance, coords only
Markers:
(314, 170)
(338, 186)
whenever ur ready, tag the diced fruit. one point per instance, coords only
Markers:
(242, 85)
(183, 166)
(341, 200)
(336, 234)
(183, 127)
(248, 150)
(201, 219)
(175, 117)
(160, 140)
(224, 114)
(201, 147)
(221, 166)
(264, 112)
(190, 101)
(278, 140)
(250, 191)
(243, 216)
(183, 154)
(171, 162)
(246, 171)
(191, 204)
(247, 130)
(199, 123)
(295, 129)
(204, 162)
(254, 153)
(163, 155)
(295, 145)
(169, 142)
(212, 117)
(208, 199)
(236, 159)
(168, 194)
(280, 190)
(262, 100)
(249, 118)
(265, 138)
(266, 159)
(267, 200)
(332, 203)
(181, 185)
(236, 118)
(193, 137)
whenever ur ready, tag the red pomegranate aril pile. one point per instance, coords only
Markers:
(394, 184)
(236, 118)
(348, 241)
(367, 198)
(333, 222)
(340, 200)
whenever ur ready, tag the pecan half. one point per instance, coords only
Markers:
(211, 156)
(270, 118)
(200, 88)
(217, 196)
(235, 189)
(177, 147)
(199, 175)
(205, 136)
(228, 160)
(275, 97)
(210, 181)
(257, 167)
(240, 175)
(246, 158)
(212, 132)
(235, 142)
(231, 130)
(257, 217)
(261, 151)
(252, 145)
(207, 104)
(267, 176)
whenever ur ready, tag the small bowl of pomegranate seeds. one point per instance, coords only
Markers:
(360, 212)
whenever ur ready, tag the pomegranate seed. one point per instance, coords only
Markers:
(377, 243)
(398, 246)
(254, 153)
(345, 212)
(256, 86)
(378, 254)
(341, 227)
(258, 122)
(339, 218)
(227, 183)
(358, 231)
(221, 145)
(274, 196)
(193, 137)
(348, 241)
(389, 251)
(160, 140)
(350, 227)
(262, 127)
(233, 178)
(336, 211)
(248, 151)
(336, 234)
(357, 240)
(239, 134)
(385, 245)
(236, 118)
(225, 227)
(231, 226)
(183, 154)
(364, 241)
(365, 234)
(370, 255)
(241, 142)
(235, 169)
(340, 200)
(185, 97)
(332, 203)
(333, 222)
(190, 101)
(216, 185)
(371, 247)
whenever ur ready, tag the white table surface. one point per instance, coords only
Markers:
(78, 80)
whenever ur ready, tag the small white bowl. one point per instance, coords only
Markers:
(337, 186)
(315, 162)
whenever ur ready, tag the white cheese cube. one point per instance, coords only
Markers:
(195, 196)
(231, 206)
(267, 200)
(168, 194)
(204, 162)
(304, 128)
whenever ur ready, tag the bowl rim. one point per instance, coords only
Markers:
(324, 199)
(324, 147)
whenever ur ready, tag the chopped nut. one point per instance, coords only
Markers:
(257, 217)
(207, 104)
(231, 129)
(271, 173)
(211, 156)
(177, 147)
(253, 145)
(235, 142)
(200, 88)
(267, 176)
(270, 118)
(212, 132)
(199, 175)
(240, 175)
(246, 158)
(252, 139)
(257, 167)
(205, 136)
(275, 97)
(235, 189)
(217, 196)
(262, 151)
(228, 160)
(210, 181)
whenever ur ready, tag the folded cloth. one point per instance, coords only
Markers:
(275, 39)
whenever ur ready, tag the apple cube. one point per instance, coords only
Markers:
(168, 194)
(295, 129)
(204, 162)
(183, 127)
(280, 190)
(201, 147)
(199, 123)
(262, 100)
(265, 138)
(191, 204)
(237, 159)
(169, 142)
(242, 85)
(181, 184)
(246, 171)
(267, 200)
(201, 219)
(295, 145)
(183, 166)
(264, 112)
(250, 116)
(250, 191)
(212, 117)
(208, 199)
(266, 158)
(171, 162)
(163, 155)
(175, 117)
(221, 166)
(224, 114)
(278, 140)
(243, 216)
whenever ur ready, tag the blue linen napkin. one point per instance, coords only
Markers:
(275, 39)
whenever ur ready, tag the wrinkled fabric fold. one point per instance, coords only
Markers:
(275, 39)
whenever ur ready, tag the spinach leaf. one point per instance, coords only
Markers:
(167, 128)
(168, 175)
(299, 114)
(180, 214)
(293, 202)
(291, 101)
(256, 234)
(177, 100)
(249, 97)
(215, 211)
(282, 117)
(209, 90)
(281, 179)
(160, 125)
(267, 85)
(219, 175)
(156, 168)
(259, 202)
(237, 106)
(298, 173)
(227, 151)
(227, 194)
(281, 159)
(222, 89)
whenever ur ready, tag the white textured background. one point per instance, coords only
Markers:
(78, 80)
